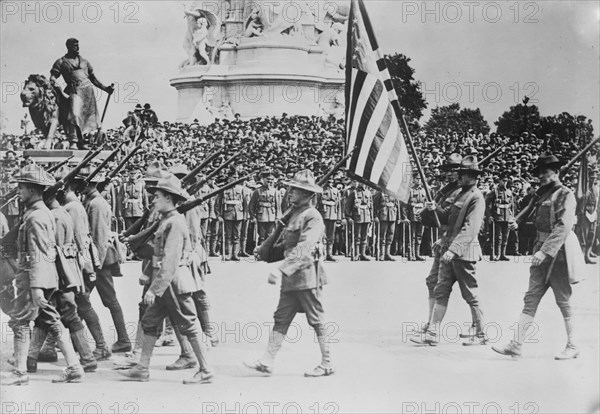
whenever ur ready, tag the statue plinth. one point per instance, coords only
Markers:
(261, 76)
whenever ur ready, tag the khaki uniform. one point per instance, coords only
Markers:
(265, 208)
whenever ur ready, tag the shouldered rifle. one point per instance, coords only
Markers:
(137, 241)
(195, 187)
(187, 180)
(52, 190)
(108, 159)
(60, 164)
(101, 186)
(266, 252)
(487, 159)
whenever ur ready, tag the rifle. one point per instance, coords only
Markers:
(187, 180)
(60, 164)
(487, 159)
(108, 159)
(195, 187)
(141, 238)
(101, 186)
(51, 191)
(266, 252)
(576, 158)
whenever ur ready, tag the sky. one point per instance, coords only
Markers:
(481, 54)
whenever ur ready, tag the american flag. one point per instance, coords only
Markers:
(381, 158)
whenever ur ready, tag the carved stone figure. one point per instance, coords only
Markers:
(203, 32)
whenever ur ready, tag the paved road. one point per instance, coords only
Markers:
(372, 307)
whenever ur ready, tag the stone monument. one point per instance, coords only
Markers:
(262, 58)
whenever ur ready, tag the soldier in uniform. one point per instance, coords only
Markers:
(36, 280)
(526, 229)
(501, 210)
(411, 215)
(302, 276)
(359, 210)
(330, 206)
(265, 206)
(247, 190)
(230, 206)
(387, 214)
(133, 198)
(444, 198)
(459, 250)
(555, 258)
(204, 208)
(170, 291)
(100, 217)
(109, 193)
(587, 218)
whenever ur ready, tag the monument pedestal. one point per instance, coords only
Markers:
(261, 76)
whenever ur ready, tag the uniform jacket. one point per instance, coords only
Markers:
(444, 197)
(554, 219)
(299, 239)
(37, 249)
(416, 202)
(359, 205)
(385, 207)
(461, 236)
(133, 198)
(330, 204)
(265, 204)
(70, 275)
(205, 209)
(231, 204)
(171, 259)
(110, 195)
(99, 216)
(81, 231)
(247, 191)
(500, 204)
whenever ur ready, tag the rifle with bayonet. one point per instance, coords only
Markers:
(101, 186)
(187, 180)
(266, 251)
(100, 167)
(197, 186)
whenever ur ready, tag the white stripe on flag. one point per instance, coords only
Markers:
(365, 92)
(385, 151)
(370, 132)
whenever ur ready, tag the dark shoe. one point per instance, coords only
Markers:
(363, 258)
(243, 254)
(136, 373)
(31, 365)
(200, 377)
(330, 258)
(70, 374)
(388, 258)
(512, 349)
(48, 355)
(121, 347)
(476, 340)
(235, 259)
(260, 367)
(101, 354)
(89, 365)
(15, 378)
(182, 363)
(320, 371)
(419, 259)
(493, 259)
(428, 338)
(504, 259)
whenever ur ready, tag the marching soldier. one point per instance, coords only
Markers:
(387, 214)
(230, 206)
(460, 251)
(359, 210)
(411, 215)
(302, 276)
(36, 280)
(555, 256)
(99, 217)
(265, 206)
(133, 198)
(172, 284)
(500, 204)
(330, 206)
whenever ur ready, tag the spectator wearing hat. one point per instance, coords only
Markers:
(500, 205)
(302, 276)
(172, 285)
(265, 206)
(359, 211)
(329, 204)
(460, 251)
(556, 256)
(36, 280)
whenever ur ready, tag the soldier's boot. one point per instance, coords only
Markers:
(388, 254)
(186, 359)
(92, 321)
(363, 253)
(213, 247)
(21, 341)
(205, 374)
(204, 318)
(479, 338)
(74, 371)
(86, 356)
(418, 257)
(431, 336)
(242, 250)
(571, 351)
(38, 339)
(329, 256)
(357, 251)
(325, 368)
(48, 351)
(132, 358)
(513, 348)
(503, 257)
(140, 371)
(265, 364)
(234, 249)
(123, 343)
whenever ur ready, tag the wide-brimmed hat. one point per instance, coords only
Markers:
(171, 185)
(452, 162)
(304, 180)
(546, 161)
(34, 174)
(470, 164)
(155, 171)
